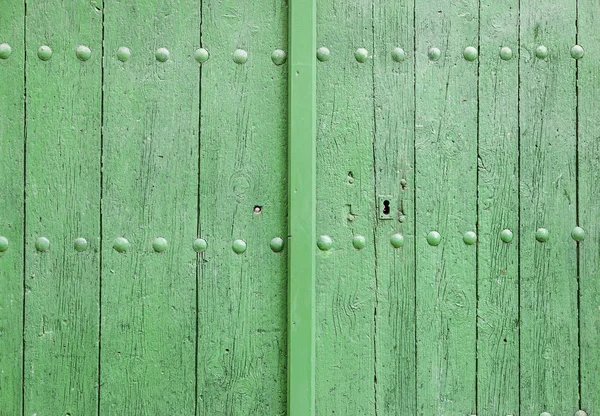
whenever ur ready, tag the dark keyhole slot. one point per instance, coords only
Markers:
(386, 207)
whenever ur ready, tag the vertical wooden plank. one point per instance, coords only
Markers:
(12, 169)
(346, 281)
(302, 209)
(64, 68)
(588, 157)
(243, 193)
(393, 25)
(498, 210)
(150, 182)
(446, 192)
(548, 281)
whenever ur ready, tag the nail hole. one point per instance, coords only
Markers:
(386, 207)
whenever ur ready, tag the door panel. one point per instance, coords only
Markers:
(62, 185)
(242, 206)
(498, 211)
(12, 210)
(548, 209)
(149, 206)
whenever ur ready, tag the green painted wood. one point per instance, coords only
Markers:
(12, 62)
(243, 191)
(446, 188)
(498, 211)
(393, 25)
(588, 157)
(346, 280)
(150, 191)
(63, 112)
(548, 281)
(302, 29)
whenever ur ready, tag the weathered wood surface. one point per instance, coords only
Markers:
(243, 188)
(547, 158)
(63, 112)
(12, 221)
(446, 203)
(498, 210)
(588, 206)
(149, 191)
(346, 278)
(393, 156)
(125, 145)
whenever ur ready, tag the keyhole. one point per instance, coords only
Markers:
(386, 207)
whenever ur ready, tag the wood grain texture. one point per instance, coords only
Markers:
(150, 185)
(346, 281)
(498, 210)
(446, 163)
(588, 152)
(12, 214)
(393, 26)
(243, 164)
(548, 281)
(62, 204)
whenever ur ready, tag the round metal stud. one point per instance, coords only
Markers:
(199, 245)
(42, 244)
(162, 55)
(506, 235)
(359, 242)
(83, 53)
(506, 53)
(470, 238)
(577, 52)
(277, 244)
(398, 55)
(397, 240)
(581, 413)
(434, 238)
(324, 242)
(239, 246)
(121, 244)
(542, 235)
(279, 56)
(323, 54)
(545, 414)
(80, 244)
(240, 56)
(434, 54)
(578, 234)
(3, 243)
(541, 52)
(470, 53)
(361, 55)
(159, 244)
(5, 50)
(44, 53)
(123, 53)
(201, 55)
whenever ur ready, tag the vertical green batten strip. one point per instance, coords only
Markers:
(302, 207)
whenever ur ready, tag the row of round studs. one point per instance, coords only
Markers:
(279, 56)
(83, 53)
(470, 53)
(159, 244)
(324, 242)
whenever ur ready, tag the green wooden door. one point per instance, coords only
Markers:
(219, 207)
